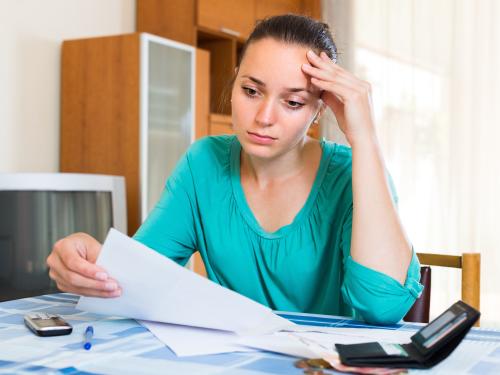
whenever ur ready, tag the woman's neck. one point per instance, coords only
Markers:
(281, 168)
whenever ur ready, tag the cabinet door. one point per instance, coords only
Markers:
(167, 106)
(235, 17)
(202, 90)
(173, 19)
(266, 8)
(220, 124)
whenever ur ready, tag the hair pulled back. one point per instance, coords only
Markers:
(294, 29)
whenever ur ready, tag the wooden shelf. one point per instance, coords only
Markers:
(220, 124)
(204, 34)
(202, 23)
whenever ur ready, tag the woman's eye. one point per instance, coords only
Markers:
(250, 91)
(293, 104)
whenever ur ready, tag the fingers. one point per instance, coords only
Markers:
(88, 291)
(324, 64)
(328, 76)
(333, 76)
(72, 266)
(73, 287)
(76, 263)
(320, 61)
(319, 73)
(65, 276)
(79, 253)
(340, 91)
(90, 246)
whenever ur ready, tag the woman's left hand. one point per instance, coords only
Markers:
(347, 96)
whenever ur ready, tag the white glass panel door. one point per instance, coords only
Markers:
(170, 124)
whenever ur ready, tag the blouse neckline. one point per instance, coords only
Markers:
(239, 194)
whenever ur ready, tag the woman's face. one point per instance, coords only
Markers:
(273, 101)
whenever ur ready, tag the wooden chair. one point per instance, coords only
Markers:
(470, 263)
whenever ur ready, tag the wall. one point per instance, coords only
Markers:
(31, 32)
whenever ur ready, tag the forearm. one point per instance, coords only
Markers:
(378, 238)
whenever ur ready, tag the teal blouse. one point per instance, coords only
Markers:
(304, 266)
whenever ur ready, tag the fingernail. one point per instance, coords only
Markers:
(110, 286)
(117, 293)
(310, 52)
(103, 276)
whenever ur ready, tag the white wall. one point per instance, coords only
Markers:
(31, 32)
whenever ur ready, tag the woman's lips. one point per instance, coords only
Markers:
(260, 138)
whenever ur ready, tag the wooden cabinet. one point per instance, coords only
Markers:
(220, 124)
(115, 120)
(236, 18)
(219, 27)
(129, 105)
(172, 19)
(222, 68)
(265, 8)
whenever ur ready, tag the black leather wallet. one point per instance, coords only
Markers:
(428, 346)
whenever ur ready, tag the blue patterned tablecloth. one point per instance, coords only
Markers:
(122, 346)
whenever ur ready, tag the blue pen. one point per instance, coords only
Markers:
(89, 332)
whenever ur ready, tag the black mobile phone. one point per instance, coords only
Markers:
(47, 324)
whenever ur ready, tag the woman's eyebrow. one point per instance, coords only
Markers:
(257, 81)
(291, 89)
(298, 89)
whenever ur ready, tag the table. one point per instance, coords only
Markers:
(122, 346)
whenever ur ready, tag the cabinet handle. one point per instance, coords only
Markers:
(230, 31)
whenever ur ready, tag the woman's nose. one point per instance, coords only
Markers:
(266, 114)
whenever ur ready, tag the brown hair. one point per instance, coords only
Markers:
(294, 29)
(290, 29)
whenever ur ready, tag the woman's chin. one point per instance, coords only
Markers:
(258, 151)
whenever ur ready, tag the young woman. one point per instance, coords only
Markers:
(291, 222)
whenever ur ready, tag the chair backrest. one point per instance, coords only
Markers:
(470, 263)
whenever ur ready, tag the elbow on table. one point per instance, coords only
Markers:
(383, 316)
(378, 298)
(380, 309)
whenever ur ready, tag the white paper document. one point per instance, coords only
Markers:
(194, 316)
(299, 341)
(350, 335)
(288, 343)
(314, 342)
(189, 341)
(155, 288)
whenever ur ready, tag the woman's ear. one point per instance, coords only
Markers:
(321, 110)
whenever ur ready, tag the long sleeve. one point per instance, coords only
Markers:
(169, 228)
(304, 266)
(376, 297)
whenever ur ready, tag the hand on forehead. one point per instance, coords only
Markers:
(276, 65)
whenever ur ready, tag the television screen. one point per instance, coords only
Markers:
(31, 221)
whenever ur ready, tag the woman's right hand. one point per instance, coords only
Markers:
(72, 266)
